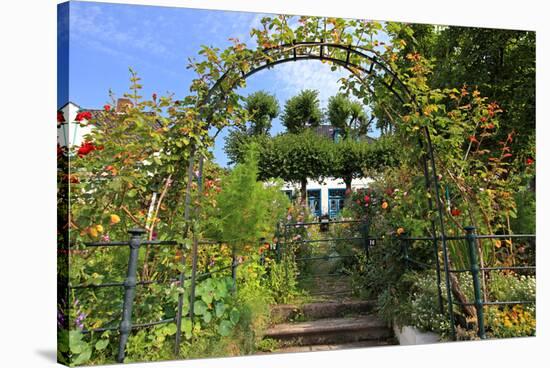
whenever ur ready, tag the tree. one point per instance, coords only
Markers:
(302, 111)
(347, 115)
(237, 142)
(262, 108)
(353, 158)
(296, 158)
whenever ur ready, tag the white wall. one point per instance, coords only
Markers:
(71, 133)
(328, 183)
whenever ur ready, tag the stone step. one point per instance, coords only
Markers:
(328, 347)
(331, 331)
(309, 311)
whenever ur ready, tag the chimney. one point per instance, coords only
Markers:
(122, 104)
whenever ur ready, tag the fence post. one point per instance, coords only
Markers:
(278, 242)
(234, 265)
(474, 269)
(366, 238)
(179, 314)
(129, 292)
(403, 238)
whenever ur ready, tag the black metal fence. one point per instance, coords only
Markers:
(475, 270)
(130, 283)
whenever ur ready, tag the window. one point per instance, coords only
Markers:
(336, 199)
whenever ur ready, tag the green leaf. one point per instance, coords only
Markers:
(225, 328)
(220, 309)
(235, 315)
(171, 329)
(101, 344)
(83, 357)
(200, 307)
(207, 317)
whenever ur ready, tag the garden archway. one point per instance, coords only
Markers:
(366, 65)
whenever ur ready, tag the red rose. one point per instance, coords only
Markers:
(455, 212)
(60, 117)
(85, 115)
(367, 199)
(107, 107)
(86, 148)
(530, 161)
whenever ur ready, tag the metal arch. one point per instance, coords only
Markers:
(287, 52)
(284, 49)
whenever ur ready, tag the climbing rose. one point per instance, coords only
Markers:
(86, 115)
(384, 205)
(60, 117)
(107, 107)
(529, 161)
(367, 199)
(455, 212)
(86, 148)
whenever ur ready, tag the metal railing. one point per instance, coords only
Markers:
(475, 270)
(126, 325)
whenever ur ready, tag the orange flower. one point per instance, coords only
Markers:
(384, 205)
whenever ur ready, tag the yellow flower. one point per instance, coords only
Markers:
(400, 231)
(92, 231)
(99, 228)
(114, 219)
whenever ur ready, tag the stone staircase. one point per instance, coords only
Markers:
(333, 320)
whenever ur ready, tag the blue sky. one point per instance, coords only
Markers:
(106, 39)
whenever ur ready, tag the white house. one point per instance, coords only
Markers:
(326, 197)
(70, 133)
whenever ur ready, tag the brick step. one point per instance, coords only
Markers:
(329, 309)
(329, 331)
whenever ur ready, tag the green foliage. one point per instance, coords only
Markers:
(296, 158)
(247, 210)
(348, 116)
(262, 107)
(302, 111)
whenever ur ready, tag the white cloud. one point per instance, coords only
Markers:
(93, 26)
(292, 77)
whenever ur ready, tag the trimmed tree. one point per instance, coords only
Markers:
(296, 158)
(302, 111)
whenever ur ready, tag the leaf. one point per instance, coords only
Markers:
(171, 329)
(235, 316)
(220, 309)
(200, 307)
(207, 317)
(225, 328)
(101, 344)
(186, 327)
(83, 357)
